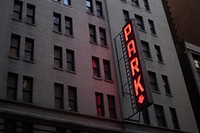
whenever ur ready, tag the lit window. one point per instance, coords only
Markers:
(89, 6)
(140, 22)
(153, 81)
(96, 67)
(99, 104)
(160, 116)
(92, 31)
(68, 26)
(30, 14)
(17, 11)
(57, 57)
(111, 106)
(174, 118)
(72, 98)
(126, 16)
(27, 89)
(29, 45)
(99, 8)
(107, 70)
(70, 60)
(12, 80)
(135, 2)
(166, 84)
(145, 116)
(146, 4)
(146, 49)
(158, 53)
(14, 46)
(152, 27)
(57, 22)
(103, 36)
(67, 2)
(58, 91)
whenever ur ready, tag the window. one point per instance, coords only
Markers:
(27, 89)
(146, 5)
(89, 6)
(99, 8)
(197, 63)
(158, 53)
(126, 16)
(57, 57)
(67, 2)
(111, 106)
(10, 126)
(68, 26)
(174, 118)
(96, 67)
(103, 36)
(99, 104)
(166, 84)
(107, 70)
(17, 11)
(72, 98)
(14, 46)
(145, 116)
(140, 22)
(58, 96)
(30, 14)
(70, 60)
(146, 49)
(153, 81)
(29, 46)
(135, 2)
(12, 80)
(26, 127)
(152, 27)
(160, 116)
(92, 31)
(57, 22)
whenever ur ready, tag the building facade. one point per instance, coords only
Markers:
(59, 72)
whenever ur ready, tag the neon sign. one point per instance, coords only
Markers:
(139, 80)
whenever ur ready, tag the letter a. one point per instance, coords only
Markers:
(137, 85)
(134, 66)
(127, 31)
(132, 48)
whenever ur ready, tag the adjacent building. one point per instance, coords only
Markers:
(60, 72)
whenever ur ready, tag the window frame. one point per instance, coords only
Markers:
(70, 62)
(30, 16)
(126, 16)
(16, 12)
(25, 91)
(92, 33)
(153, 81)
(158, 54)
(89, 8)
(68, 27)
(13, 47)
(68, 2)
(100, 9)
(56, 25)
(103, 37)
(160, 115)
(166, 85)
(140, 22)
(146, 5)
(74, 100)
(12, 88)
(135, 3)
(59, 59)
(100, 105)
(60, 98)
(152, 27)
(146, 50)
(112, 106)
(107, 71)
(30, 51)
(96, 69)
(145, 116)
(174, 118)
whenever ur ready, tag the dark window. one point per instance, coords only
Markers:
(158, 53)
(60, 130)
(103, 36)
(12, 80)
(96, 67)
(57, 22)
(17, 11)
(126, 16)
(153, 81)
(27, 89)
(89, 6)
(145, 115)
(160, 116)
(140, 22)
(111, 106)
(135, 2)
(92, 31)
(14, 46)
(10, 126)
(72, 98)
(29, 46)
(58, 96)
(174, 118)
(68, 26)
(30, 14)
(100, 104)
(197, 63)
(67, 2)
(70, 60)
(107, 70)
(166, 84)
(99, 8)
(26, 127)
(146, 5)
(146, 49)
(57, 57)
(152, 27)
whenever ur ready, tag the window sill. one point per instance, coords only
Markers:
(157, 92)
(144, 31)
(60, 69)
(124, 1)
(73, 72)
(102, 17)
(97, 78)
(28, 61)
(90, 13)
(155, 35)
(149, 11)
(18, 20)
(69, 35)
(161, 62)
(150, 59)
(58, 2)
(109, 80)
(104, 46)
(136, 6)
(32, 24)
(69, 6)
(169, 95)
(16, 58)
(58, 32)
(95, 43)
